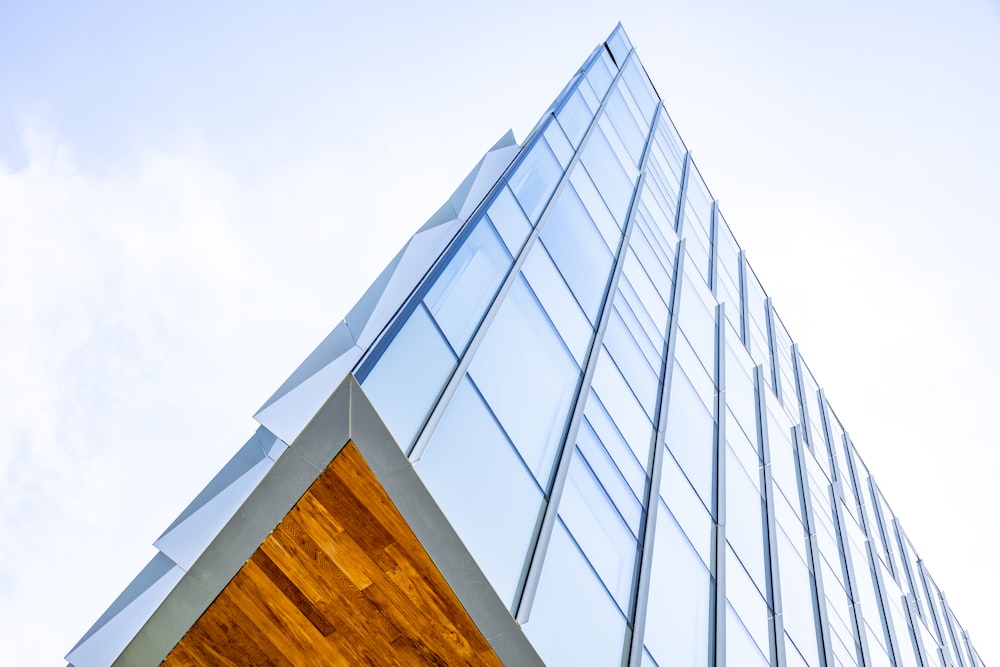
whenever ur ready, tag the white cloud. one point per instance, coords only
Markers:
(135, 308)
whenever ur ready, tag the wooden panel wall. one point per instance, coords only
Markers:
(342, 580)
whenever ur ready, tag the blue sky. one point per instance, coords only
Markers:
(192, 197)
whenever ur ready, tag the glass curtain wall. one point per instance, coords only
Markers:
(602, 399)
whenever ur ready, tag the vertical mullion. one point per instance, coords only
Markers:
(526, 595)
(773, 578)
(430, 424)
(656, 476)
(857, 616)
(819, 594)
(719, 534)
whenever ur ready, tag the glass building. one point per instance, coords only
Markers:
(565, 426)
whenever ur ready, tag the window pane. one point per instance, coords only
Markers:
(610, 476)
(407, 378)
(573, 619)
(744, 519)
(528, 381)
(535, 179)
(509, 220)
(483, 488)
(599, 530)
(691, 434)
(679, 591)
(608, 174)
(559, 303)
(610, 435)
(460, 295)
(578, 251)
(574, 118)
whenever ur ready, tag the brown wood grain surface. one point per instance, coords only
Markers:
(342, 580)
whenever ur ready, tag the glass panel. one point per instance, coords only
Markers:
(740, 395)
(483, 488)
(698, 204)
(559, 144)
(638, 374)
(745, 519)
(740, 647)
(559, 303)
(619, 46)
(578, 251)
(574, 118)
(609, 434)
(631, 135)
(599, 530)
(623, 407)
(697, 319)
(680, 588)
(608, 174)
(798, 610)
(748, 603)
(535, 179)
(642, 89)
(610, 476)
(650, 296)
(687, 509)
(573, 619)
(650, 350)
(528, 386)
(508, 218)
(599, 75)
(691, 434)
(585, 189)
(462, 292)
(407, 379)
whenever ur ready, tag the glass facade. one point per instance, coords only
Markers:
(601, 398)
(666, 482)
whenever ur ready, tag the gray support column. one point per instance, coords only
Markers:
(800, 387)
(771, 345)
(841, 475)
(656, 476)
(828, 434)
(901, 541)
(713, 269)
(952, 635)
(719, 500)
(744, 306)
(912, 617)
(682, 196)
(773, 578)
(857, 617)
(819, 595)
(533, 575)
(888, 627)
(937, 622)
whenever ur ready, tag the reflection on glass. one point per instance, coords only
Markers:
(461, 293)
(482, 486)
(559, 303)
(407, 378)
(530, 385)
(578, 251)
(608, 174)
(599, 530)
(508, 219)
(535, 179)
(573, 619)
(679, 591)
(691, 434)
(574, 118)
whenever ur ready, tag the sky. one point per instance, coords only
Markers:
(192, 196)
